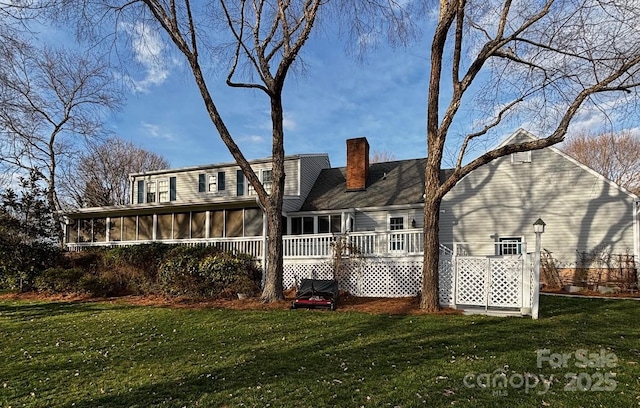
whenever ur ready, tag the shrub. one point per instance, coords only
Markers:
(145, 269)
(97, 286)
(21, 263)
(146, 258)
(59, 280)
(206, 272)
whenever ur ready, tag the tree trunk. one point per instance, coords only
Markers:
(430, 301)
(273, 284)
(430, 286)
(52, 197)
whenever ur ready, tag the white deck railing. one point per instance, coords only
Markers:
(396, 243)
(253, 246)
(407, 242)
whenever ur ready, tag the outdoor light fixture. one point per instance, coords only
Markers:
(538, 226)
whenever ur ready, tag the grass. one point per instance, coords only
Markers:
(116, 355)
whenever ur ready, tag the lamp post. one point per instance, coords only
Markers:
(538, 229)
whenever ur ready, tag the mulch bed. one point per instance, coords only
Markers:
(346, 302)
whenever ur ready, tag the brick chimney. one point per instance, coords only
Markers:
(357, 164)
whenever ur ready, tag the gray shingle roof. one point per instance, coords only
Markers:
(390, 183)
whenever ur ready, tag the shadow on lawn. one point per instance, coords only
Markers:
(337, 354)
(280, 357)
(572, 306)
(36, 310)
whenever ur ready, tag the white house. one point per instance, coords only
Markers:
(378, 207)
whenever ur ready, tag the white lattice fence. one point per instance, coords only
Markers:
(490, 282)
(471, 280)
(446, 280)
(505, 289)
(464, 281)
(374, 277)
(387, 277)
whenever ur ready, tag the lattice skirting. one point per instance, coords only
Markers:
(373, 277)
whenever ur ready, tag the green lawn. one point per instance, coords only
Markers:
(114, 355)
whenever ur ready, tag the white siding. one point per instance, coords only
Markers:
(296, 187)
(583, 212)
(379, 220)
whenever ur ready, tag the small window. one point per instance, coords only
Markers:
(396, 223)
(239, 183)
(151, 192)
(221, 181)
(510, 246)
(163, 191)
(521, 157)
(202, 183)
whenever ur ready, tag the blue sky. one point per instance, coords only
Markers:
(382, 97)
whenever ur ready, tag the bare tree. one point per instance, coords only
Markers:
(266, 39)
(545, 60)
(262, 40)
(51, 100)
(614, 155)
(100, 176)
(382, 156)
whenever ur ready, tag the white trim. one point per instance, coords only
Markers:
(526, 157)
(212, 183)
(397, 208)
(506, 238)
(168, 191)
(405, 220)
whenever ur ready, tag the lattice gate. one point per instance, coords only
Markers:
(491, 282)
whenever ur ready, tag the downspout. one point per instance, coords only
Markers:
(264, 239)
